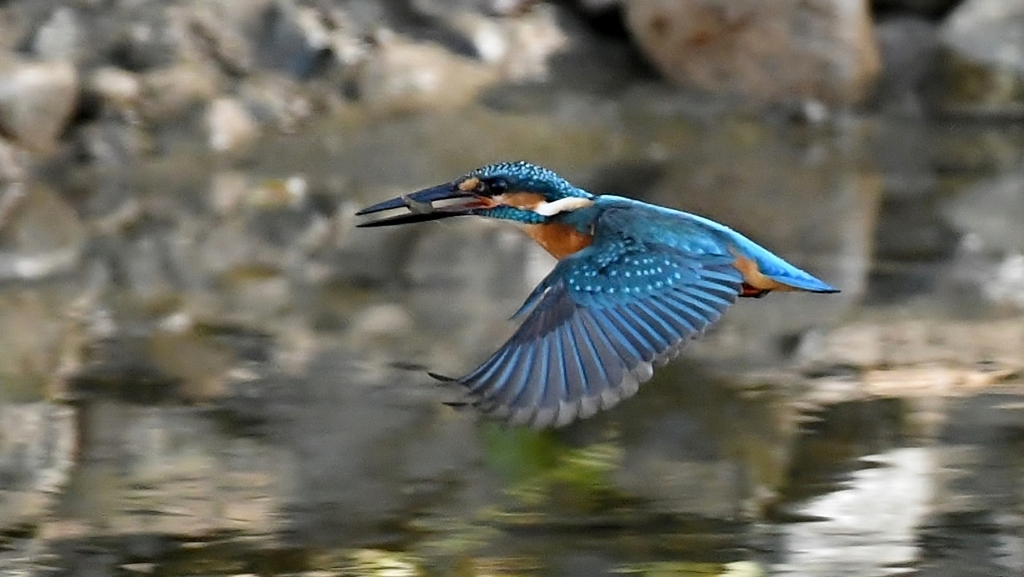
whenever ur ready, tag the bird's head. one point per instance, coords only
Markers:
(517, 191)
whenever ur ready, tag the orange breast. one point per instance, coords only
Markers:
(559, 239)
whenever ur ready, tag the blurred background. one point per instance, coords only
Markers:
(205, 369)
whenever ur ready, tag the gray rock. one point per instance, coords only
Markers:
(144, 270)
(37, 451)
(59, 38)
(303, 40)
(168, 92)
(984, 61)
(15, 27)
(136, 460)
(225, 42)
(521, 47)
(230, 125)
(910, 61)
(783, 51)
(991, 211)
(36, 100)
(279, 101)
(111, 142)
(232, 248)
(245, 17)
(230, 32)
(401, 75)
(13, 162)
(989, 32)
(154, 38)
(489, 37)
(113, 88)
(34, 336)
(40, 234)
(1005, 285)
(384, 320)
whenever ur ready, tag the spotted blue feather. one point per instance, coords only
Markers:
(522, 175)
(598, 323)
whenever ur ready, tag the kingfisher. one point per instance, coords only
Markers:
(634, 282)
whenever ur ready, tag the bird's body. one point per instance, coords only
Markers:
(634, 283)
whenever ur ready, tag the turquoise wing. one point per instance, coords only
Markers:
(597, 326)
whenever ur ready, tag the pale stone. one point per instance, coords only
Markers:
(36, 100)
(406, 76)
(779, 51)
(230, 125)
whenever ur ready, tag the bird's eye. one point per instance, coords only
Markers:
(497, 186)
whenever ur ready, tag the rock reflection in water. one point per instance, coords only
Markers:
(695, 445)
(243, 369)
(870, 522)
(974, 526)
(168, 470)
(371, 451)
(874, 493)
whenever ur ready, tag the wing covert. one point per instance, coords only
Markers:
(601, 320)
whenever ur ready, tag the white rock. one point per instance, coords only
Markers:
(230, 125)
(988, 32)
(36, 100)
(115, 87)
(382, 320)
(406, 76)
(59, 37)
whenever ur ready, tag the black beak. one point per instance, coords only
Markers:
(420, 205)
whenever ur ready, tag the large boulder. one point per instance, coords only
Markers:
(910, 61)
(985, 57)
(404, 76)
(36, 100)
(781, 51)
(230, 125)
(41, 234)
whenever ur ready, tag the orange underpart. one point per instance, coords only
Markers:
(561, 240)
(753, 292)
(753, 278)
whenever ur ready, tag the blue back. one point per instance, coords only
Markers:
(688, 233)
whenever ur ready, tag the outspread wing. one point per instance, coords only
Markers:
(600, 322)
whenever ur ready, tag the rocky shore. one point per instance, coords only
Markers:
(177, 186)
(112, 82)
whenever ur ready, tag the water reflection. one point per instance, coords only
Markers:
(869, 523)
(234, 384)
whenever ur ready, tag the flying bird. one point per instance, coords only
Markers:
(633, 284)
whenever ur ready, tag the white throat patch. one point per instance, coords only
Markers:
(561, 205)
